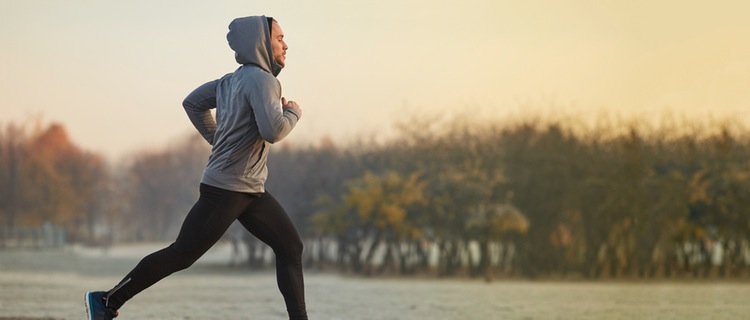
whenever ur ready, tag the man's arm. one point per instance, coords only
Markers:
(198, 105)
(274, 122)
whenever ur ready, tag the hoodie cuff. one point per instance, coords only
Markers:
(294, 112)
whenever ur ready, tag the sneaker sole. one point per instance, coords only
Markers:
(86, 303)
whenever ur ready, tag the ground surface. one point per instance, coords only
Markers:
(51, 284)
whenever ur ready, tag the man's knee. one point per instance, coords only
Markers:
(291, 249)
(183, 258)
(295, 248)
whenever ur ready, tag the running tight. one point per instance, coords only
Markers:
(210, 217)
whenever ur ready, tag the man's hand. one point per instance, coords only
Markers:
(291, 104)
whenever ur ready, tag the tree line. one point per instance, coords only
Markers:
(534, 198)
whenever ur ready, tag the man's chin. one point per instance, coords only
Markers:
(281, 62)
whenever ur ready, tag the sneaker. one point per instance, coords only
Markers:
(95, 307)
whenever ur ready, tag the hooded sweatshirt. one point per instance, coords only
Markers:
(249, 116)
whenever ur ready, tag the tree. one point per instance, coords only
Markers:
(374, 210)
(162, 187)
(500, 222)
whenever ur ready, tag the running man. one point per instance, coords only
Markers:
(251, 114)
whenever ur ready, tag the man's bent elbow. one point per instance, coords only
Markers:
(272, 138)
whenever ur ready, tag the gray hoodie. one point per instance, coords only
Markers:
(249, 117)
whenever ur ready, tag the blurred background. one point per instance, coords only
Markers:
(485, 139)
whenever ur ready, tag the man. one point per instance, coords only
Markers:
(250, 116)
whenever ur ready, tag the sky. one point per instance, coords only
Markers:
(115, 72)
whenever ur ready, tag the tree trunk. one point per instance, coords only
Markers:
(368, 267)
(485, 261)
(387, 259)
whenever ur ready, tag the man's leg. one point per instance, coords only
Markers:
(269, 222)
(204, 225)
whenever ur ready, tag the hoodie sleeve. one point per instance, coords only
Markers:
(198, 105)
(274, 123)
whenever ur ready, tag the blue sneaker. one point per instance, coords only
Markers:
(95, 307)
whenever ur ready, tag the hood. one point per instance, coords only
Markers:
(250, 38)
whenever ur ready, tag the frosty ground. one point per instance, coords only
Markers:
(49, 284)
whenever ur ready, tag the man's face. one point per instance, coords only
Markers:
(277, 43)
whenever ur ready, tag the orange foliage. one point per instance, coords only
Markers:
(53, 180)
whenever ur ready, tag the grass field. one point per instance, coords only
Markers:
(51, 284)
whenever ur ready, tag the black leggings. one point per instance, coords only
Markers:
(210, 217)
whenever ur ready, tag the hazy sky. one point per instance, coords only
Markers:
(115, 72)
